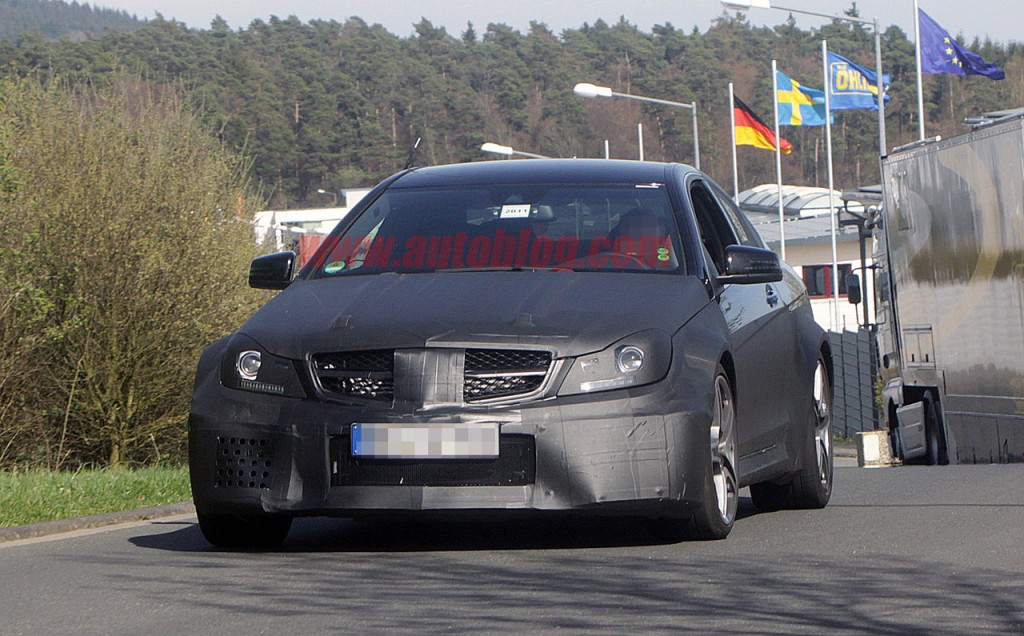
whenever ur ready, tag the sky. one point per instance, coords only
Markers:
(999, 20)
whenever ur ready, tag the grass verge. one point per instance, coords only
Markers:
(33, 496)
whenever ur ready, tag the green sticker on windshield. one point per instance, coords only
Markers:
(663, 254)
(334, 267)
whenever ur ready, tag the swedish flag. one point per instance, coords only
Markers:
(799, 105)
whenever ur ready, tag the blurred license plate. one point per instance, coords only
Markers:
(425, 441)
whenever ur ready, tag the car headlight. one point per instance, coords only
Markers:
(639, 359)
(629, 359)
(248, 367)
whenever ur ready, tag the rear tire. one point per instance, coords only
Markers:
(811, 486)
(244, 531)
(714, 518)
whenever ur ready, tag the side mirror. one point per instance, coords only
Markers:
(745, 265)
(853, 291)
(273, 271)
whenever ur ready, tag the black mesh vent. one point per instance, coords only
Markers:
(367, 375)
(516, 465)
(497, 373)
(501, 386)
(498, 360)
(243, 462)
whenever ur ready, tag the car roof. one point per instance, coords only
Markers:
(540, 171)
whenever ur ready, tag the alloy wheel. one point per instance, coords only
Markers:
(723, 450)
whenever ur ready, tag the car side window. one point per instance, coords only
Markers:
(715, 231)
(742, 226)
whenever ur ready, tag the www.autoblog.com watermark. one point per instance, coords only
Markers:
(494, 250)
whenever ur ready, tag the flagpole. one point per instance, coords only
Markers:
(882, 150)
(831, 187)
(920, 81)
(696, 136)
(778, 160)
(732, 126)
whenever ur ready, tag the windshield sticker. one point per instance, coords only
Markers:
(516, 211)
(334, 267)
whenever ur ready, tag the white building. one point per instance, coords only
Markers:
(285, 226)
(808, 237)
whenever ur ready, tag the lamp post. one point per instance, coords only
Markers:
(588, 90)
(333, 194)
(743, 5)
(509, 151)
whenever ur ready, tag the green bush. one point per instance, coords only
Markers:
(124, 241)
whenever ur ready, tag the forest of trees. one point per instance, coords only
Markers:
(328, 105)
(55, 18)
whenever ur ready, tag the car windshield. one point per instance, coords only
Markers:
(627, 227)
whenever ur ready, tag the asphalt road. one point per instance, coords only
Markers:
(899, 550)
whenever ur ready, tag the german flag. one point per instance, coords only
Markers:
(751, 131)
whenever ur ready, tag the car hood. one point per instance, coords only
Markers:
(571, 313)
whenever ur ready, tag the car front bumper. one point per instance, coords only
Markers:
(642, 450)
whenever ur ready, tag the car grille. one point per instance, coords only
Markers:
(497, 373)
(489, 373)
(366, 375)
(515, 465)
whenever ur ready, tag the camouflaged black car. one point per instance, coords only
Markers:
(535, 335)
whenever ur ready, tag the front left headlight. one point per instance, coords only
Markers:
(246, 366)
(639, 359)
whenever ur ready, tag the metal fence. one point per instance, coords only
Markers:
(855, 360)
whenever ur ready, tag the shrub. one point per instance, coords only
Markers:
(124, 247)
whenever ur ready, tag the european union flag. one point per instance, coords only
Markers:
(799, 105)
(852, 86)
(941, 55)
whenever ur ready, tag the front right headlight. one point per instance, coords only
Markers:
(639, 359)
(246, 366)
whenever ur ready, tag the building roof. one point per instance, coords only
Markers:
(806, 213)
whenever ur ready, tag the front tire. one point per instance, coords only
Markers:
(714, 518)
(244, 531)
(934, 436)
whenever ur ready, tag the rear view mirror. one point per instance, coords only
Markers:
(273, 271)
(853, 291)
(745, 265)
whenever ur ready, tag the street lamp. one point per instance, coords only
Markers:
(588, 90)
(743, 5)
(508, 151)
(333, 194)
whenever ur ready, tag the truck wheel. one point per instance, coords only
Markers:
(811, 487)
(935, 439)
(244, 531)
(714, 518)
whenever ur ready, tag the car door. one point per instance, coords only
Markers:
(760, 335)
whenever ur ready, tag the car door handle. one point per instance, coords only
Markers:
(770, 296)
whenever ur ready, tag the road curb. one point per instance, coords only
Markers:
(59, 526)
(844, 449)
